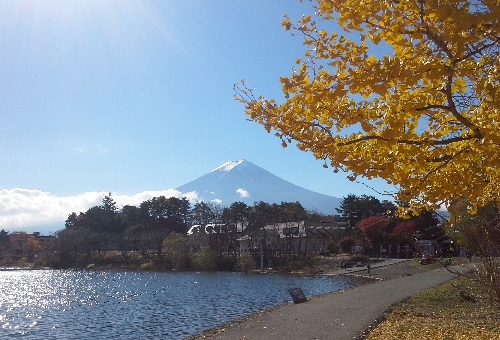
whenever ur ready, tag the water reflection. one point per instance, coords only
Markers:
(52, 304)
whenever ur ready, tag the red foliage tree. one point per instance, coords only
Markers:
(375, 228)
(405, 232)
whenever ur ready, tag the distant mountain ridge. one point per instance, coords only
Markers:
(246, 182)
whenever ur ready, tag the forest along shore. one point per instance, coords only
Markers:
(345, 313)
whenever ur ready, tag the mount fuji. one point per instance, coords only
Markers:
(243, 181)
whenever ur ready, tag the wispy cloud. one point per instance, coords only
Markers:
(23, 208)
(95, 150)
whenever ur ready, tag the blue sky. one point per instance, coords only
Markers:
(134, 96)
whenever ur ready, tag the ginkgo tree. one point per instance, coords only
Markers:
(404, 90)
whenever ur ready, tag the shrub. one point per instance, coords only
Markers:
(346, 243)
(205, 260)
(246, 262)
(226, 263)
(332, 247)
(175, 248)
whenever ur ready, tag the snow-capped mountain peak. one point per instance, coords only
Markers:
(243, 181)
(228, 165)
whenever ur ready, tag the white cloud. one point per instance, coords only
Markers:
(192, 196)
(137, 199)
(22, 208)
(243, 192)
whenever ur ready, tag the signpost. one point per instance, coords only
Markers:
(298, 295)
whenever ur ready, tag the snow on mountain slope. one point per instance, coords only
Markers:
(228, 165)
(244, 181)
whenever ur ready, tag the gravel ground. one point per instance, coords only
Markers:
(340, 315)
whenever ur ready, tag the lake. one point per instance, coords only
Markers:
(71, 304)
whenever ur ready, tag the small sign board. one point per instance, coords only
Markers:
(298, 295)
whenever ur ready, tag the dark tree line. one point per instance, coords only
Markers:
(143, 228)
(106, 228)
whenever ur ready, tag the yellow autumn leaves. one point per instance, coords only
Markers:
(408, 93)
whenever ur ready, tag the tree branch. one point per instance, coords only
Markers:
(411, 142)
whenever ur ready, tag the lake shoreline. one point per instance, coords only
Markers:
(386, 270)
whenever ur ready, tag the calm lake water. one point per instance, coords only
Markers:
(57, 304)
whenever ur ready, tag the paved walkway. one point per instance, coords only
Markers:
(339, 315)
